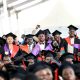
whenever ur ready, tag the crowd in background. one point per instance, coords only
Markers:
(40, 56)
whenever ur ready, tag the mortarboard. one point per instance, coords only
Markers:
(40, 32)
(65, 56)
(56, 32)
(30, 59)
(48, 53)
(11, 34)
(30, 56)
(71, 27)
(47, 31)
(29, 36)
(19, 57)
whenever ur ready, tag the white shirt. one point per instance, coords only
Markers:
(30, 47)
(42, 46)
(11, 51)
(70, 47)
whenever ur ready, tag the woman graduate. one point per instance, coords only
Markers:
(10, 48)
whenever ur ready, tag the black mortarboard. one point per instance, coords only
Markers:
(17, 76)
(48, 53)
(30, 59)
(30, 56)
(47, 31)
(65, 56)
(11, 34)
(29, 36)
(56, 32)
(40, 32)
(71, 27)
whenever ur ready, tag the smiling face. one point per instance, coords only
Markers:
(9, 40)
(41, 37)
(72, 33)
(44, 74)
(57, 37)
(68, 74)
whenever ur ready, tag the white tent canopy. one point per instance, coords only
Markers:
(52, 14)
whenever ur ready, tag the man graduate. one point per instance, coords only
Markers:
(72, 40)
(41, 45)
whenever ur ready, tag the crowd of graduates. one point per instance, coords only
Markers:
(40, 56)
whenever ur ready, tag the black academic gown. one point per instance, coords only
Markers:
(60, 46)
(76, 41)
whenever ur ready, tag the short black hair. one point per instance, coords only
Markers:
(64, 66)
(39, 66)
(31, 76)
(18, 75)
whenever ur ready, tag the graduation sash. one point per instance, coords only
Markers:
(15, 50)
(24, 48)
(0, 56)
(68, 40)
(6, 50)
(74, 45)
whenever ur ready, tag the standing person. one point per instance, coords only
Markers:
(28, 44)
(58, 43)
(48, 35)
(10, 48)
(41, 45)
(71, 40)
